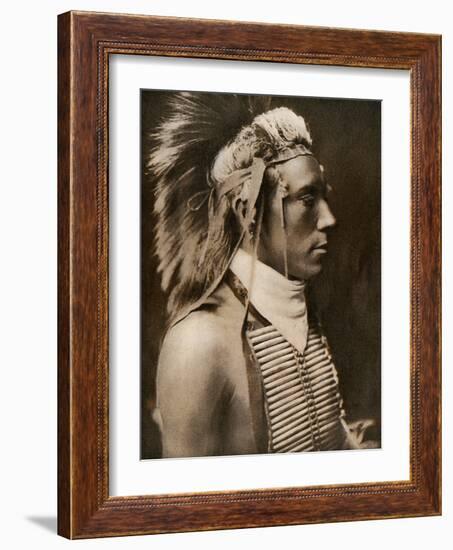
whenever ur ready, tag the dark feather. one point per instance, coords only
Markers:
(183, 147)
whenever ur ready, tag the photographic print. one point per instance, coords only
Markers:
(260, 274)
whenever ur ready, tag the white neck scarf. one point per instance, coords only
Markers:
(280, 300)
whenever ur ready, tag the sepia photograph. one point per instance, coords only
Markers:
(260, 273)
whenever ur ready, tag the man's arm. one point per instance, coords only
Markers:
(191, 390)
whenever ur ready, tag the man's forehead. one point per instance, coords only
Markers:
(300, 172)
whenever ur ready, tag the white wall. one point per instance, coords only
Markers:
(28, 124)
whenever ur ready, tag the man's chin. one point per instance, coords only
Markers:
(307, 272)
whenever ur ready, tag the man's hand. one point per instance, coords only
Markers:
(364, 431)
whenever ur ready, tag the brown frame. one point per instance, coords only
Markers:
(85, 41)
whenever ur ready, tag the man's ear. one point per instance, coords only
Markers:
(239, 208)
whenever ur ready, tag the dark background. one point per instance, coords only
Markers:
(346, 137)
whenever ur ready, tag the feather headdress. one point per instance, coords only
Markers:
(204, 151)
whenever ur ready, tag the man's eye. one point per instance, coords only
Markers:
(308, 199)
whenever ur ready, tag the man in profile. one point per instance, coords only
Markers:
(243, 225)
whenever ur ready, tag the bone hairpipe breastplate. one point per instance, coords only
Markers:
(302, 401)
(301, 395)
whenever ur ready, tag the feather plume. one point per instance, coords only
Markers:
(183, 148)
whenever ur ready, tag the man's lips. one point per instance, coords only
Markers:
(321, 246)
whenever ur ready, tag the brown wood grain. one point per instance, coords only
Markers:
(64, 426)
(85, 42)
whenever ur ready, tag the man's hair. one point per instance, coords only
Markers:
(191, 158)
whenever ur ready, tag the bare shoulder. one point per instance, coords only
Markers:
(198, 325)
(200, 334)
(195, 350)
(197, 377)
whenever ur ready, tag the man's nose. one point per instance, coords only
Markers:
(325, 218)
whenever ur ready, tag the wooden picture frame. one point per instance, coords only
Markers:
(85, 42)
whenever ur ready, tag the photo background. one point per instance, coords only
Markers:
(347, 141)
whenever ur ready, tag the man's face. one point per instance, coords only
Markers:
(307, 219)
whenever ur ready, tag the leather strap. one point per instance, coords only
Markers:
(254, 378)
(240, 292)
